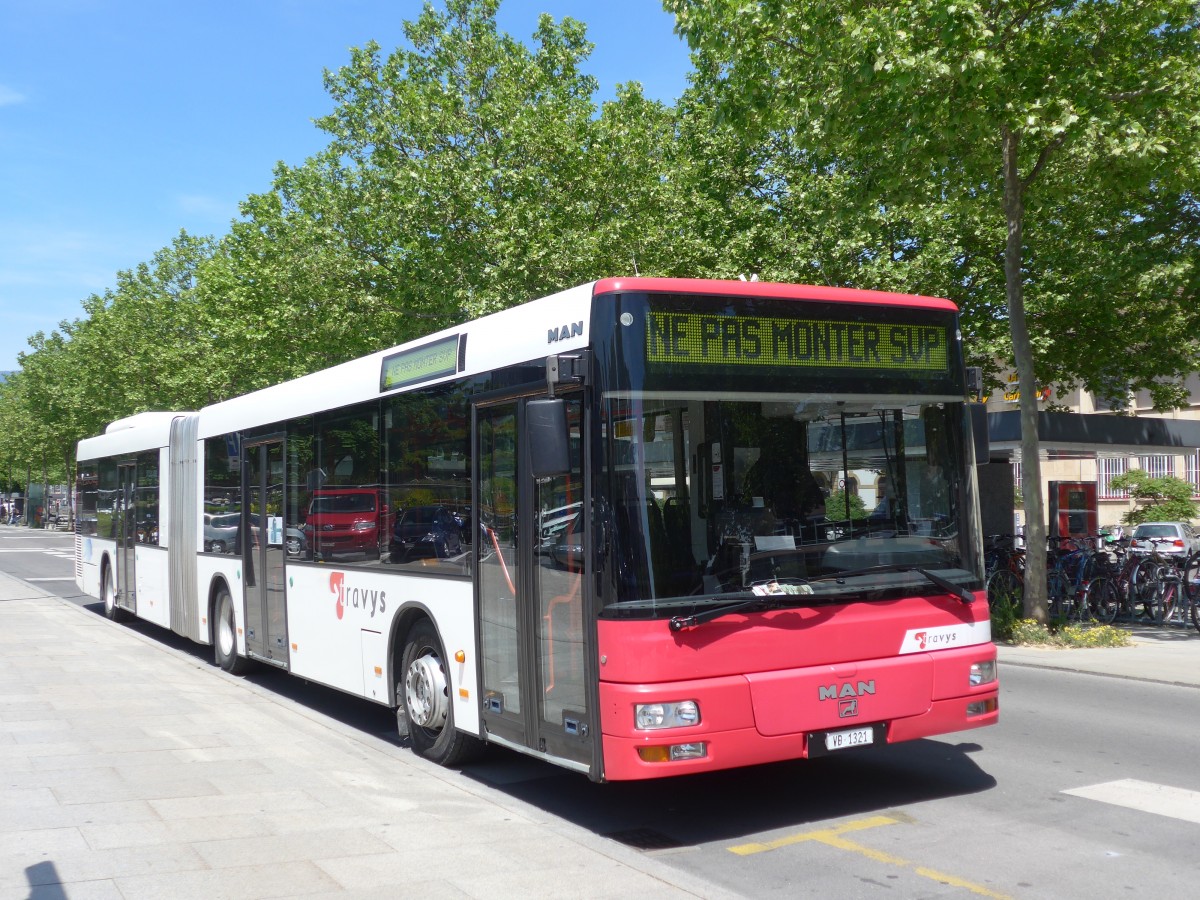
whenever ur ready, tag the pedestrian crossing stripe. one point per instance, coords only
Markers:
(1144, 796)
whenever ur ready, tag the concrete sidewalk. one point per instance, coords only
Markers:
(1168, 655)
(130, 770)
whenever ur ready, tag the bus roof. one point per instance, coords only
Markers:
(519, 334)
(771, 289)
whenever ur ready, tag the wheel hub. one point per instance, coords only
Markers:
(225, 636)
(425, 692)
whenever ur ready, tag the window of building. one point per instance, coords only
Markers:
(1107, 469)
(1157, 466)
(1192, 462)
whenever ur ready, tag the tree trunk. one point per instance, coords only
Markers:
(1031, 468)
(45, 489)
(69, 468)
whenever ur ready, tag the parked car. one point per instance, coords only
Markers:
(296, 543)
(427, 532)
(220, 532)
(346, 521)
(1170, 538)
(567, 549)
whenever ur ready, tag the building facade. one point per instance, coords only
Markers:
(1095, 446)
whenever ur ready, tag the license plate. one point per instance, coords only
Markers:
(850, 737)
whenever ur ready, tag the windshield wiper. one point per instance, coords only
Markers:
(779, 601)
(948, 586)
(958, 591)
(758, 602)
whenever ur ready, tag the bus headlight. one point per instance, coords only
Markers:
(674, 752)
(648, 716)
(983, 672)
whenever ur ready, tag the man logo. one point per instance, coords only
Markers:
(833, 692)
(573, 329)
(848, 708)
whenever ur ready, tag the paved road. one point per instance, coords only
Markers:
(44, 558)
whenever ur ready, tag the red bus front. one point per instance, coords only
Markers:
(786, 541)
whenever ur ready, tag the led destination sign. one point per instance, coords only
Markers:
(420, 364)
(686, 339)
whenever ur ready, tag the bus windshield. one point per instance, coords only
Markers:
(783, 446)
(822, 500)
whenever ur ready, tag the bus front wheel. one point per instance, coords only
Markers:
(424, 693)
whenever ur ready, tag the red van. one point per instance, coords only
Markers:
(347, 521)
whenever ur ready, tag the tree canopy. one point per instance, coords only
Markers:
(1162, 499)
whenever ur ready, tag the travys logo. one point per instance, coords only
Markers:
(919, 640)
(925, 640)
(371, 601)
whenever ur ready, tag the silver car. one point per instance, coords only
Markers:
(220, 532)
(1169, 538)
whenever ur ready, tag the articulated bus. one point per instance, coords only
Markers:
(639, 528)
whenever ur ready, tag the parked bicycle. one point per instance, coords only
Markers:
(1005, 567)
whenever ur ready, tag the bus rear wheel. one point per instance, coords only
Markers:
(423, 692)
(109, 592)
(225, 649)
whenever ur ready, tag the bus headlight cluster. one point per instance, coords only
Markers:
(983, 672)
(649, 716)
(674, 752)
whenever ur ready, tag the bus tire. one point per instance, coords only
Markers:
(108, 592)
(423, 690)
(225, 645)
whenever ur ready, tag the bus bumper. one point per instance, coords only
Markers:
(776, 716)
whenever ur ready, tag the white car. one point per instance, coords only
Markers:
(1170, 538)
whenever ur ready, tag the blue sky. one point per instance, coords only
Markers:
(124, 121)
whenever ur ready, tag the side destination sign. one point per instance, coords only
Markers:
(684, 339)
(424, 363)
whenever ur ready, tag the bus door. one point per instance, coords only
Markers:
(126, 518)
(530, 588)
(263, 551)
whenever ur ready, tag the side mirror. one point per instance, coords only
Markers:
(546, 429)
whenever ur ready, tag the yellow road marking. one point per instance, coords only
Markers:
(824, 836)
(832, 837)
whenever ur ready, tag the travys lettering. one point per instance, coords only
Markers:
(371, 601)
(935, 638)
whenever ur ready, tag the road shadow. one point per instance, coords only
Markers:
(723, 806)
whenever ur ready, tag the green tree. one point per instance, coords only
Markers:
(836, 506)
(991, 114)
(1165, 499)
